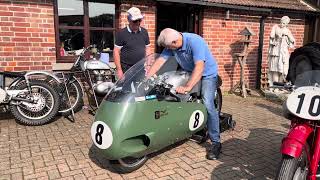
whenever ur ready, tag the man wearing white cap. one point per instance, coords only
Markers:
(193, 55)
(132, 43)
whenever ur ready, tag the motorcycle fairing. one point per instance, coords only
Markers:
(146, 115)
(136, 130)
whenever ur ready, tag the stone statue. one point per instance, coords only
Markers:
(281, 40)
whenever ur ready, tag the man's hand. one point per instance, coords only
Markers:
(183, 89)
(120, 73)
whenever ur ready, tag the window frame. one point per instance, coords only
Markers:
(86, 28)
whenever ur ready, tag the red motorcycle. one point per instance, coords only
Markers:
(301, 147)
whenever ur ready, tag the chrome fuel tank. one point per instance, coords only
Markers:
(95, 65)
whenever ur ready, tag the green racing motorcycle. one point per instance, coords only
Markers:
(138, 116)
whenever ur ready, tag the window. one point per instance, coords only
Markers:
(80, 23)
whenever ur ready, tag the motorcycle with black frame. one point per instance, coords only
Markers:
(96, 79)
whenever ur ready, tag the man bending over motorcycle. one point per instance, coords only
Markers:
(193, 54)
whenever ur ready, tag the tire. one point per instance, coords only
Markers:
(218, 100)
(127, 165)
(36, 114)
(203, 135)
(293, 168)
(76, 94)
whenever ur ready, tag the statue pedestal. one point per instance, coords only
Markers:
(276, 94)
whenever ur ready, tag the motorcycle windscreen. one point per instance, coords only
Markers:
(308, 78)
(134, 87)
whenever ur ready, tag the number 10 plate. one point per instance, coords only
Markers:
(304, 102)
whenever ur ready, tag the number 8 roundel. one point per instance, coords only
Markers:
(101, 135)
(196, 120)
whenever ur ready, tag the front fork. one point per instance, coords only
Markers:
(296, 140)
(315, 152)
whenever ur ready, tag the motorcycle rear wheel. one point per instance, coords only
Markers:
(128, 164)
(293, 168)
(203, 135)
(218, 100)
(40, 113)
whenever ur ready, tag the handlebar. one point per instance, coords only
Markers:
(75, 65)
(87, 48)
(281, 85)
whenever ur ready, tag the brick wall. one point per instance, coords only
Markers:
(223, 38)
(27, 38)
(148, 9)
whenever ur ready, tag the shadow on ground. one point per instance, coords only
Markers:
(104, 163)
(5, 115)
(274, 109)
(246, 158)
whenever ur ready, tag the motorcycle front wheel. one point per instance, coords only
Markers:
(42, 110)
(76, 97)
(128, 164)
(293, 168)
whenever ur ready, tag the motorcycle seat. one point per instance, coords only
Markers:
(12, 74)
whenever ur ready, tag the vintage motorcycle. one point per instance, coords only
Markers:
(32, 102)
(138, 116)
(98, 76)
(301, 147)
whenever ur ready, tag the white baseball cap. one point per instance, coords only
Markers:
(134, 14)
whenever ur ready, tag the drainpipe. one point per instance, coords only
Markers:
(316, 25)
(315, 32)
(260, 52)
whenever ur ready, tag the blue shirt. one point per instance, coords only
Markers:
(193, 49)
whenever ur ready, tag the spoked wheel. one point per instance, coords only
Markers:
(128, 164)
(42, 110)
(293, 168)
(76, 97)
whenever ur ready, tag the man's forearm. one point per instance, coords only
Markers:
(155, 67)
(196, 74)
(148, 50)
(116, 56)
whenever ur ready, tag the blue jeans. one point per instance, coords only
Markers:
(208, 89)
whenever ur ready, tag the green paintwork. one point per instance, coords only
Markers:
(129, 121)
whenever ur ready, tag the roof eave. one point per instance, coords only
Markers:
(312, 10)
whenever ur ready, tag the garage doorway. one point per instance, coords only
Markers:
(178, 16)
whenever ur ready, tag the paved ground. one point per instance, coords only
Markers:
(62, 149)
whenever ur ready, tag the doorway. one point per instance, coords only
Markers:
(178, 16)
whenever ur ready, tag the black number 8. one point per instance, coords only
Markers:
(100, 129)
(196, 122)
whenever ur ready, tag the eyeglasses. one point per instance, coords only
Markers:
(139, 20)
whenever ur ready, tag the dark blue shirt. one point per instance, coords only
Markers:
(193, 49)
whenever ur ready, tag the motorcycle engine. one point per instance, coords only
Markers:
(3, 95)
(103, 81)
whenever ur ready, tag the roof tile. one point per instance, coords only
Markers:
(281, 4)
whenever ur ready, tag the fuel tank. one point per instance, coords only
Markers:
(95, 65)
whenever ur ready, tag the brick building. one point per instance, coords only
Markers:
(35, 34)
